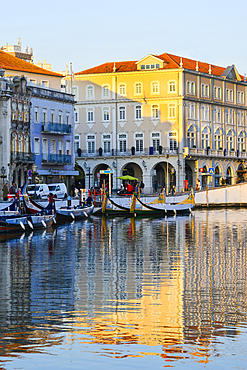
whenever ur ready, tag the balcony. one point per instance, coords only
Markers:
(127, 153)
(56, 159)
(56, 128)
(214, 153)
(22, 157)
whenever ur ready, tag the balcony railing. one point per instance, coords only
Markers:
(214, 153)
(56, 128)
(22, 157)
(128, 152)
(56, 158)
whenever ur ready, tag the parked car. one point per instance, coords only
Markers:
(58, 190)
(38, 191)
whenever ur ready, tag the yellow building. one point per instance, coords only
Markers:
(135, 116)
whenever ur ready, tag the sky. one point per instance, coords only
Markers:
(91, 33)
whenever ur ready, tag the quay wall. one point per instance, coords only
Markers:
(224, 196)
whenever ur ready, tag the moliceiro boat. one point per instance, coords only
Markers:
(157, 207)
(25, 222)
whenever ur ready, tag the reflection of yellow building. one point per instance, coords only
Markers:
(131, 115)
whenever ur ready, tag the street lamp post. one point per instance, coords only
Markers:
(3, 172)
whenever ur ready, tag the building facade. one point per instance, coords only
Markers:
(52, 118)
(163, 118)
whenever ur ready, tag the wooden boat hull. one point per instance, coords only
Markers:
(27, 223)
(71, 213)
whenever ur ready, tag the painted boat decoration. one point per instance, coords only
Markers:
(157, 207)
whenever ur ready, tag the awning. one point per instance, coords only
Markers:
(57, 172)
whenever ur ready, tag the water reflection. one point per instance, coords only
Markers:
(171, 287)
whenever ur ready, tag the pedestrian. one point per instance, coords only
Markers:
(155, 186)
(73, 190)
(129, 188)
(13, 189)
(5, 191)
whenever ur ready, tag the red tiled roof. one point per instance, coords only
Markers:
(9, 62)
(171, 62)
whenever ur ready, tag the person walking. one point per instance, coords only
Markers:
(142, 186)
(5, 191)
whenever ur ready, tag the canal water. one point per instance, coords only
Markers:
(127, 294)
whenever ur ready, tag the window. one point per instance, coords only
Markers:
(20, 112)
(191, 87)
(172, 87)
(90, 92)
(75, 92)
(76, 116)
(36, 145)
(67, 118)
(105, 91)
(238, 118)
(218, 139)
(191, 137)
(231, 116)
(36, 114)
(242, 118)
(60, 147)
(229, 140)
(191, 110)
(138, 112)
(45, 83)
(122, 113)
(155, 111)
(150, 66)
(77, 143)
(60, 116)
(122, 142)
(52, 115)
(44, 149)
(106, 143)
(217, 92)
(106, 114)
(240, 97)
(219, 114)
(172, 111)
(20, 143)
(44, 117)
(229, 95)
(67, 147)
(241, 141)
(155, 141)
(90, 115)
(32, 81)
(139, 142)
(172, 137)
(227, 116)
(205, 91)
(155, 88)
(91, 144)
(53, 146)
(207, 113)
(122, 89)
(138, 88)
(205, 138)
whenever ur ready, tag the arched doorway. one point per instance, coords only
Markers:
(160, 178)
(80, 179)
(188, 175)
(229, 176)
(100, 179)
(241, 173)
(217, 177)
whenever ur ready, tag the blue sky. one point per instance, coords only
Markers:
(90, 33)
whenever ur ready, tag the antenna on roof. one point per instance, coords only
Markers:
(210, 70)
(197, 67)
(114, 67)
(245, 77)
(181, 62)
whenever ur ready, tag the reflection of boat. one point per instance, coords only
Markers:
(157, 207)
(73, 213)
(25, 222)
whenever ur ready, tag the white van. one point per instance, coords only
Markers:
(58, 190)
(38, 191)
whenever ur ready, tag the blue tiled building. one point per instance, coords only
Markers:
(52, 135)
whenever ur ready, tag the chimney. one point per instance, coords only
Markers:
(210, 70)
(181, 62)
(114, 67)
(197, 67)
